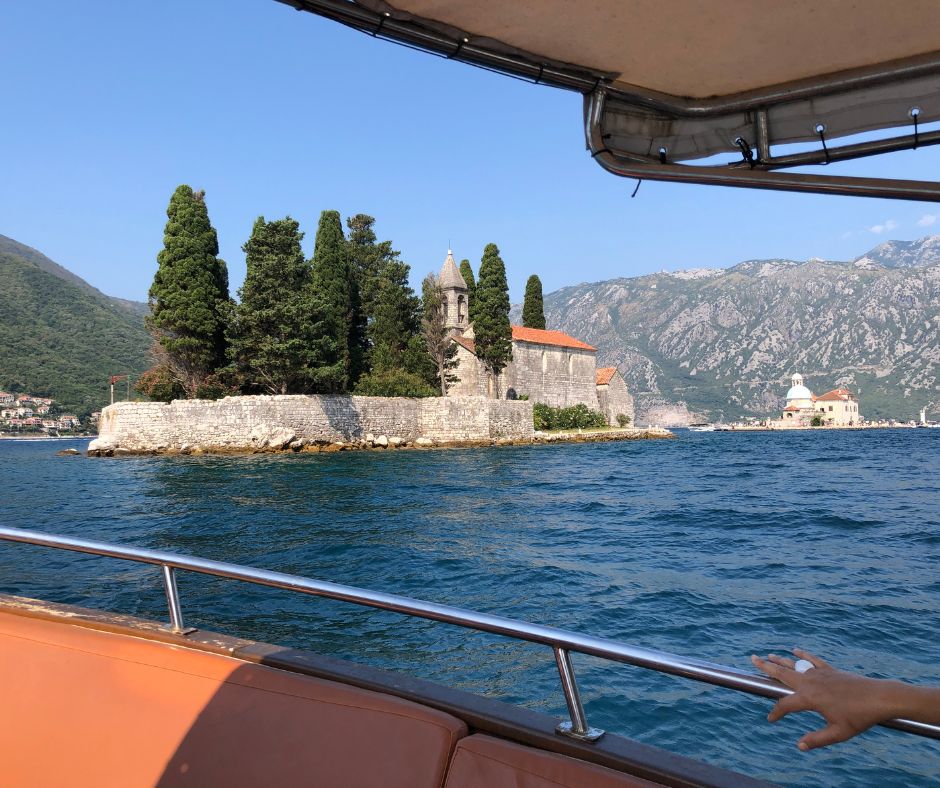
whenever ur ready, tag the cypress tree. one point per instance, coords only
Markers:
(189, 301)
(467, 273)
(533, 310)
(396, 317)
(492, 328)
(333, 284)
(277, 332)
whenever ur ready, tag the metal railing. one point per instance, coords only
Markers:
(562, 641)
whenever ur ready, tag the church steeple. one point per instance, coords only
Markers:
(455, 293)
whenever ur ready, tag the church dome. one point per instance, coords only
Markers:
(799, 392)
(797, 389)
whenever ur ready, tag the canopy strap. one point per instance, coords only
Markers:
(821, 131)
(746, 151)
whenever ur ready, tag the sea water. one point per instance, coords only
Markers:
(713, 545)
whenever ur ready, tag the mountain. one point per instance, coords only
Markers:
(59, 336)
(722, 343)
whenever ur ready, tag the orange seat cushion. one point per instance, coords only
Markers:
(88, 708)
(484, 762)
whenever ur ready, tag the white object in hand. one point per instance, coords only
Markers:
(802, 665)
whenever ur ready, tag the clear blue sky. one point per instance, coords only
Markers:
(108, 106)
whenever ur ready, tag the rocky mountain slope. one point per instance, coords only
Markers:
(59, 336)
(722, 343)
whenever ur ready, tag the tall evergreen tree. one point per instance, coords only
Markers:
(492, 328)
(396, 317)
(441, 349)
(467, 273)
(533, 310)
(277, 336)
(189, 301)
(334, 285)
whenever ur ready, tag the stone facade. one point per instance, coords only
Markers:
(246, 423)
(613, 397)
(555, 376)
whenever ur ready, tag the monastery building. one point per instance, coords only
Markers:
(550, 367)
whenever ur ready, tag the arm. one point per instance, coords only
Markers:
(849, 703)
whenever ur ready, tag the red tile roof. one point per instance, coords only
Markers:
(605, 375)
(469, 344)
(536, 336)
(837, 395)
(791, 407)
(539, 336)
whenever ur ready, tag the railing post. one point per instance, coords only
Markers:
(172, 598)
(577, 728)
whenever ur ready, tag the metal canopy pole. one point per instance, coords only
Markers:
(756, 178)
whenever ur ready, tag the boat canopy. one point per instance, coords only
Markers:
(667, 82)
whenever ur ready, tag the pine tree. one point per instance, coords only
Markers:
(533, 310)
(492, 328)
(467, 273)
(277, 333)
(189, 301)
(334, 286)
(441, 349)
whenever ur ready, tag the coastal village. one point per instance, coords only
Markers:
(30, 414)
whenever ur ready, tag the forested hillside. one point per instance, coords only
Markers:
(59, 336)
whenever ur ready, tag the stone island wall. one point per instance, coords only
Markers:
(297, 421)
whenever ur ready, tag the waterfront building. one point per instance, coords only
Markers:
(836, 408)
(550, 367)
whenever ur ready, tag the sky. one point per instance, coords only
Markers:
(108, 106)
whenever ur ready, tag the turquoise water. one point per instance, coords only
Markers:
(714, 545)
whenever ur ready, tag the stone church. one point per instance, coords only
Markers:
(550, 367)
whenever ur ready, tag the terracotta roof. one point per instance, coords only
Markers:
(836, 394)
(605, 375)
(536, 336)
(791, 407)
(539, 336)
(469, 344)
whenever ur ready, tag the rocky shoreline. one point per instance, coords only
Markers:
(286, 442)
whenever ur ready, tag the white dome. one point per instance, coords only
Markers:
(799, 392)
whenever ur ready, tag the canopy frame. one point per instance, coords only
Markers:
(747, 124)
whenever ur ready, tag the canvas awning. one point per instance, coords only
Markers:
(671, 81)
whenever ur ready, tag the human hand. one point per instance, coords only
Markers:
(850, 704)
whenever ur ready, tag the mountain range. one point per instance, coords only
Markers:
(720, 344)
(59, 336)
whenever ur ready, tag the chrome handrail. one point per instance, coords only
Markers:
(562, 641)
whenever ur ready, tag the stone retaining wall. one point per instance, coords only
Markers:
(296, 421)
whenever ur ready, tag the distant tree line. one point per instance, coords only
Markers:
(345, 320)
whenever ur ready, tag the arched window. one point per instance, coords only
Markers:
(461, 308)
(570, 364)
(544, 362)
(511, 393)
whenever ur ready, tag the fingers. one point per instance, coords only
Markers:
(818, 662)
(825, 736)
(787, 663)
(787, 705)
(777, 671)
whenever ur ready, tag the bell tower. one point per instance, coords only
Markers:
(455, 295)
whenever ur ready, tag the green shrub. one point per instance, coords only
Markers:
(159, 385)
(575, 417)
(394, 383)
(623, 419)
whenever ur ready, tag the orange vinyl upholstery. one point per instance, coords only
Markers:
(82, 707)
(484, 761)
